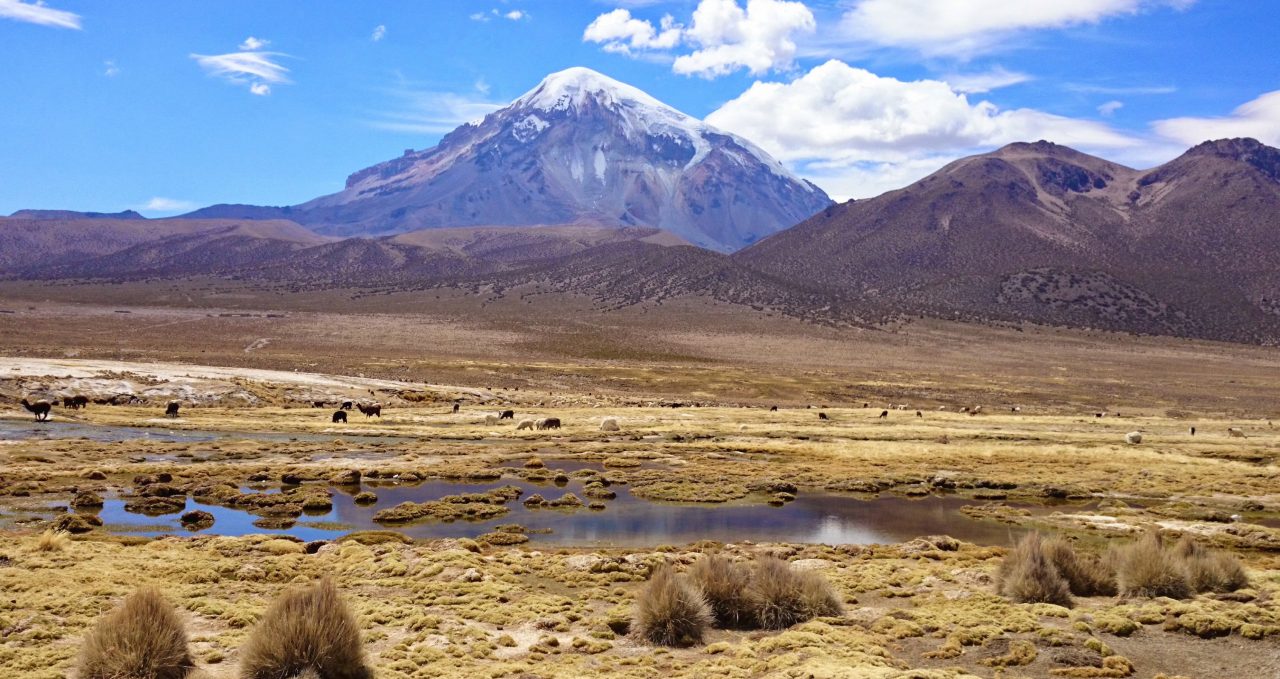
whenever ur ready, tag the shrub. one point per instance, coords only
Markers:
(53, 541)
(1210, 571)
(784, 596)
(1085, 574)
(309, 629)
(1147, 568)
(1028, 576)
(670, 611)
(723, 584)
(143, 638)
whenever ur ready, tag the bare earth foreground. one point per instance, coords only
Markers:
(498, 599)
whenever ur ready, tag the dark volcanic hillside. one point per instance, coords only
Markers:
(580, 148)
(1044, 233)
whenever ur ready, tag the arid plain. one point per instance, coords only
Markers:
(470, 579)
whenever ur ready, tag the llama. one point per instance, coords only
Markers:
(40, 409)
(171, 410)
(340, 416)
(507, 415)
(371, 410)
(75, 402)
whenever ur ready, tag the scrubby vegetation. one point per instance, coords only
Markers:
(724, 584)
(670, 611)
(306, 630)
(142, 639)
(783, 596)
(1028, 575)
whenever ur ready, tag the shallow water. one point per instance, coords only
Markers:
(628, 521)
(23, 430)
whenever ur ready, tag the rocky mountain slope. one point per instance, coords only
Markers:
(1045, 233)
(578, 148)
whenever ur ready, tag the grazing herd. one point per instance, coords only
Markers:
(41, 409)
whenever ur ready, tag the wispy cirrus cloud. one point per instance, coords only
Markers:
(967, 27)
(255, 69)
(38, 13)
(986, 81)
(379, 32)
(431, 112)
(509, 15)
(161, 204)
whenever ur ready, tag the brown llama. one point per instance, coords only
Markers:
(371, 410)
(75, 402)
(40, 409)
(171, 410)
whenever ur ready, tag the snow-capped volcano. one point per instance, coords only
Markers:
(578, 148)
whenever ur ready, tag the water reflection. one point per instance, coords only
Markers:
(814, 517)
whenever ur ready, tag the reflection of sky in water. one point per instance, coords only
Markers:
(21, 430)
(628, 521)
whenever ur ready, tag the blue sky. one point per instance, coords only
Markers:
(165, 106)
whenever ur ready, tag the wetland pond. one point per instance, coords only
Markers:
(626, 521)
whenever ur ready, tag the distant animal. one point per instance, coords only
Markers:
(507, 415)
(370, 410)
(550, 423)
(866, 405)
(1099, 414)
(884, 413)
(773, 409)
(40, 409)
(919, 414)
(1236, 433)
(1133, 437)
(609, 424)
(339, 416)
(1193, 431)
(823, 416)
(491, 418)
(976, 409)
(318, 404)
(346, 405)
(171, 410)
(941, 408)
(456, 405)
(964, 409)
(1016, 409)
(525, 424)
(75, 402)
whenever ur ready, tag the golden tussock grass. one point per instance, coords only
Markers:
(144, 638)
(307, 629)
(1148, 568)
(1086, 575)
(1027, 575)
(723, 583)
(1210, 571)
(784, 596)
(53, 541)
(670, 611)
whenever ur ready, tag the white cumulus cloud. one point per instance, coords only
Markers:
(251, 43)
(1259, 118)
(379, 32)
(968, 26)
(620, 32)
(722, 36)
(38, 13)
(836, 122)
(110, 69)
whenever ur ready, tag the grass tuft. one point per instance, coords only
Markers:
(1210, 571)
(1028, 576)
(723, 584)
(141, 639)
(1086, 575)
(1148, 568)
(784, 596)
(670, 611)
(53, 541)
(308, 629)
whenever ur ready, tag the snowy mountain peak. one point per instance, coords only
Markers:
(580, 148)
(572, 87)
